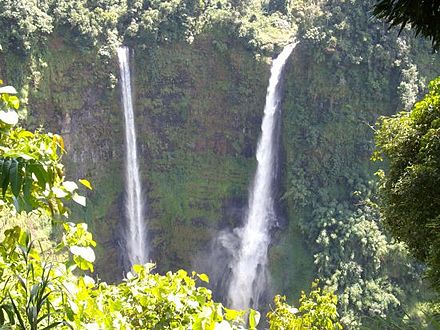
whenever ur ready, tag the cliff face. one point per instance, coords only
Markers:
(198, 110)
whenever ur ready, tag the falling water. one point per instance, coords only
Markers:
(136, 233)
(249, 278)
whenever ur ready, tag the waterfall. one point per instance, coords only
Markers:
(249, 265)
(136, 233)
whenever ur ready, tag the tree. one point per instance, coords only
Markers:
(24, 24)
(422, 15)
(278, 5)
(410, 188)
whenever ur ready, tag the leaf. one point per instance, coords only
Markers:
(9, 312)
(53, 325)
(17, 313)
(70, 186)
(86, 253)
(9, 117)
(88, 281)
(33, 253)
(138, 268)
(223, 325)
(2, 161)
(81, 200)
(25, 134)
(59, 139)
(59, 193)
(40, 173)
(203, 277)
(14, 102)
(15, 177)
(17, 154)
(232, 314)
(8, 90)
(2, 316)
(254, 318)
(28, 202)
(86, 183)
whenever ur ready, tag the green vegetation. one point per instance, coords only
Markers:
(26, 24)
(345, 73)
(41, 291)
(200, 74)
(105, 24)
(28, 155)
(317, 311)
(422, 16)
(409, 187)
(197, 161)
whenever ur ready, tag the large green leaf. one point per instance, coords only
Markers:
(40, 173)
(27, 187)
(15, 177)
(27, 202)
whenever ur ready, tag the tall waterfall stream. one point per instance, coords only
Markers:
(249, 277)
(136, 237)
(249, 265)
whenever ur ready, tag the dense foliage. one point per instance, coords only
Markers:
(316, 312)
(26, 156)
(422, 16)
(106, 24)
(410, 186)
(350, 71)
(26, 24)
(41, 291)
(197, 161)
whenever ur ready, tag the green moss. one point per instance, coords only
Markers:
(291, 265)
(196, 185)
(198, 124)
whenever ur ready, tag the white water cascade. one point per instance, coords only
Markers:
(249, 278)
(136, 234)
